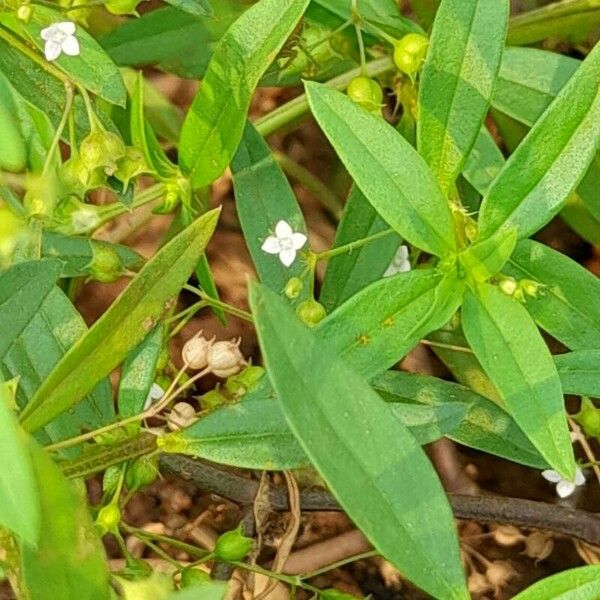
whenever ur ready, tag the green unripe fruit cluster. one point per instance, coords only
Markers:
(232, 545)
(106, 265)
(311, 312)
(366, 92)
(410, 52)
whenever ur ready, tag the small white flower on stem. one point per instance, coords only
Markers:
(155, 394)
(286, 242)
(59, 38)
(400, 263)
(564, 488)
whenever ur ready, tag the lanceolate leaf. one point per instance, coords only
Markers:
(378, 326)
(484, 162)
(582, 583)
(263, 197)
(457, 81)
(197, 8)
(215, 122)
(351, 437)
(135, 312)
(515, 357)
(349, 273)
(69, 560)
(19, 500)
(579, 372)
(387, 169)
(551, 160)
(567, 305)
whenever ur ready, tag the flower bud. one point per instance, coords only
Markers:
(225, 358)
(508, 286)
(177, 190)
(25, 12)
(410, 52)
(194, 577)
(530, 287)
(232, 545)
(140, 473)
(106, 265)
(589, 418)
(108, 518)
(365, 92)
(293, 288)
(538, 546)
(195, 351)
(182, 415)
(311, 312)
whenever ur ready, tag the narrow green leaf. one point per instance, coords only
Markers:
(263, 197)
(19, 500)
(349, 273)
(484, 162)
(486, 426)
(456, 86)
(215, 122)
(425, 10)
(387, 169)
(579, 372)
(212, 590)
(517, 360)
(137, 374)
(552, 159)
(345, 428)
(197, 8)
(69, 560)
(485, 259)
(76, 253)
(377, 327)
(135, 312)
(567, 305)
(582, 583)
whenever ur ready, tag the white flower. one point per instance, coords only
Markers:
(155, 393)
(59, 38)
(564, 487)
(400, 263)
(286, 242)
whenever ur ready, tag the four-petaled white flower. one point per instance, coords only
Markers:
(400, 263)
(155, 394)
(564, 487)
(59, 38)
(286, 242)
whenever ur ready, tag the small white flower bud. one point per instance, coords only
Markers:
(225, 358)
(509, 286)
(195, 351)
(182, 415)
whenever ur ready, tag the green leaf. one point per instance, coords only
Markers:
(69, 560)
(75, 253)
(551, 161)
(456, 85)
(484, 162)
(213, 590)
(19, 500)
(350, 272)
(425, 10)
(263, 197)
(254, 433)
(582, 583)
(135, 312)
(567, 305)
(92, 68)
(137, 374)
(215, 122)
(377, 327)
(579, 372)
(485, 426)
(485, 259)
(345, 428)
(387, 169)
(197, 8)
(517, 360)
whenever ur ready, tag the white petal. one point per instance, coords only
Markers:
(271, 245)
(48, 32)
(52, 50)
(67, 27)
(565, 488)
(579, 477)
(391, 271)
(552, 476)
(71, 46)
(283, 230)
(298, 239)
(287, 257)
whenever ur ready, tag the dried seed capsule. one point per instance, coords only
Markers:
(182, 415)
(538, 546)
(195, 351)
(225, 358)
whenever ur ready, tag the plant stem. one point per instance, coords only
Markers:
(298, 107)
(236, 312)
(108, 212)
(346, 248)
(61, 126)
(447, 346)
(185, 316)
(192, 550)
(340, 563)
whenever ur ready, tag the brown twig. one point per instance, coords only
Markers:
(528, 514)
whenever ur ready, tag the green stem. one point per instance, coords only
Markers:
(346, 248)
(313, 184)
(298, 107)
(356, 20)
(185, 316)
(447, 346)
(232, 310)
(386, 36)
(191, 550)
(292, 580)
(111, 211)
(340, 563)
(61, 126)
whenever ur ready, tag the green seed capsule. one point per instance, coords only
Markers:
(365, 92)
(232, 545)
(108, 518)
(106, 265)
(140, 473)
(410, 52)
(293, 288)
(311, 312)
(589, 418)
(194, 577)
